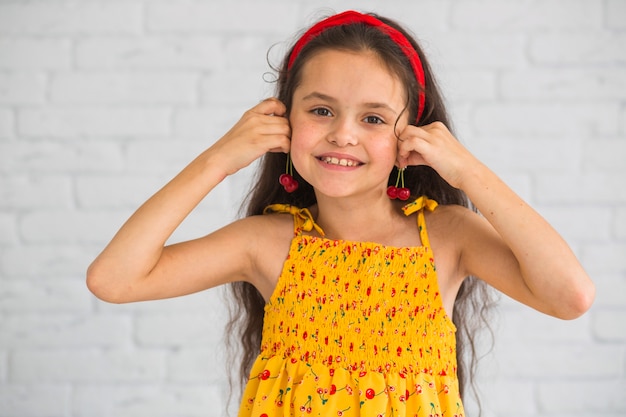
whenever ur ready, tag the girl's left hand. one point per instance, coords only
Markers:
(433, 145)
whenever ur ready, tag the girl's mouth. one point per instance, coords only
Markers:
(331, 160)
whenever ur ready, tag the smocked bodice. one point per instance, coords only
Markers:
(355, 328)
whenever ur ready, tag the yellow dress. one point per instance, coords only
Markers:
(355, 329)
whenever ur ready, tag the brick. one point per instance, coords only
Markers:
(29, 160)
(34, 54)
(610, 289)
(529, 327)
(556, 119)
(578, 188)
(605, 155)
(67, 18)
(65, 226)
(8, 228)
(468, 85)
(76, 122)
(619, 228)
(598, 397)
(54, 366)
(257, 53)
(559, 83)
(7, 124)
(560, 361)
(168, 53)
(21, 88)
(524, 16)
(615, 12)
(48, 296)
(604, 257)
(208, 17)
(166, 330)
(201, 366)
(36, 400)
(498, 395)
(484, 51)
(125, 400)
(4, 368)
(166, 158)
(568, 220)
(236, 87)
(135, 88)
(32, 330)
(35, 192)
(558, 49)
(58, 260)
(115, 190)
(609, 325)
(532, 154)
(207, 122)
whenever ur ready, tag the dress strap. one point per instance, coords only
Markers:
(302, 217)
(418, 206)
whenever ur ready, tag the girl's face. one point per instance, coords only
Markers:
(342, 123)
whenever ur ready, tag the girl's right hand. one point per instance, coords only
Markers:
(264, 128)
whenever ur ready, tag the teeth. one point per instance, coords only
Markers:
(336, 161)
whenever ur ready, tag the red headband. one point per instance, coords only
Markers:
(352, 17)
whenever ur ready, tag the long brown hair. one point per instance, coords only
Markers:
(473, 299)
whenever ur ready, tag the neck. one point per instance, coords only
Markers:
(358, 219)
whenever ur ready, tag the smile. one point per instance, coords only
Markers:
(330, 160)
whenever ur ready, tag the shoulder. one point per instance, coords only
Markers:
(269, 225)
(465, 233)
(451, 229)
(449, 217)
(269, 238)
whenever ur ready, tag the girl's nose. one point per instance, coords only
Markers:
(343, 133)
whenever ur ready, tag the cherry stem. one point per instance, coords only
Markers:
(289, 167)
(400, 174)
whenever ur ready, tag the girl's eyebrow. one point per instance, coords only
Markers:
(321, 96)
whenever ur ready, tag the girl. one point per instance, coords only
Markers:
(348, 292)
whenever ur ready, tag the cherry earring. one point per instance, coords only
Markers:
(401, 193)
(289, 183)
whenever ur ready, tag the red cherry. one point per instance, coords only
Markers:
(404, 194)
(392, 192)
(265, 375)
(369, 394)
(285, 179)
(292, 186)
(333, 389)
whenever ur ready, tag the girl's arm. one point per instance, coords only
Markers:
(512, 247)
(136, 266)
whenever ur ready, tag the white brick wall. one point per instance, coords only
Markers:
(102, 101)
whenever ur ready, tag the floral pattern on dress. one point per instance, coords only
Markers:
(355, 329)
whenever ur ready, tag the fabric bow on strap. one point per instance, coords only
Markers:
(303, 217)
(419, 204)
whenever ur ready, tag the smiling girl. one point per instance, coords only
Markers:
(351, 301)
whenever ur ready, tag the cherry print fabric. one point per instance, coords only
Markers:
(355, 329)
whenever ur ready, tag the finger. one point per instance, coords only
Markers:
(283, 144)
(272, 107)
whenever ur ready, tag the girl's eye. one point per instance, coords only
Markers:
(322, 112)
(373, 120)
